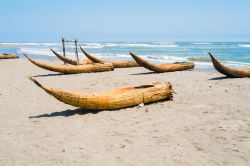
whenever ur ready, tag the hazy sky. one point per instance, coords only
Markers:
(125, 20)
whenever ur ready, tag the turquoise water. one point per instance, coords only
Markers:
(235, 54)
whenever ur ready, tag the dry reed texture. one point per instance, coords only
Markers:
(8, 56)
(112, 100)
(117, 64)
(231, 72)
(71, 69)
(163, 67)
(71, 61)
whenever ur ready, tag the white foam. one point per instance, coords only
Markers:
(36, 51)
(162, 42)
(102, 45)
(236, 64)
(148, 45)
(244, 45)
(164, 58)
(91, 45)
(112, 55)
(203, 64)
(42, 51)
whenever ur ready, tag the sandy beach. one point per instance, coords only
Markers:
(207, 123)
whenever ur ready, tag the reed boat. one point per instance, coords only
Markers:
(230, 72)
(8, 56)
(71, 61)
(112, 100)
(163, 67)
(71, 69)
(117, 64)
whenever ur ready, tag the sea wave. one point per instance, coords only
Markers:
(42, 51)
(34, 44)
(35, 51)
(166, 58)
(128, 45)
(236, 64)
(244, 45)
(144, 45)
(108, 55)
(162, 58)
(202, 43)
(91, 45)
(100, 45)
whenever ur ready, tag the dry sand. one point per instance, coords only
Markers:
(207, 123)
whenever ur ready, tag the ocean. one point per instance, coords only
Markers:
(234, 54)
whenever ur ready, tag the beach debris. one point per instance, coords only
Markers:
(178, 66)
(117, 64)
(122, 146)
(112, 100)
(141, 105)
(70, 69)
(231, 72)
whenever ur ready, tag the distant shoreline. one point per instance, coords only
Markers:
(7, 45)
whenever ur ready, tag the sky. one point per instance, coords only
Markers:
(125, 20)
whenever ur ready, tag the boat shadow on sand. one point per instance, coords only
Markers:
(48, 75)
(66, 113)
(221, 78)
(145, 73)
(79, 111)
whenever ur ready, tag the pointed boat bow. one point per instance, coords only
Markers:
(68, 60)
(92, 57)
(144, 63)
(164, 67)
(64, 59)
(230, 72)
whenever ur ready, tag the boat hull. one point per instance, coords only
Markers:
(230, 72)
(9, 56)
(112, 100)
(164, 67)
(71, 61)
(117, 64)
(72, 69)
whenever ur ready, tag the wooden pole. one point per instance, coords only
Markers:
(76, 52)
(63, 46)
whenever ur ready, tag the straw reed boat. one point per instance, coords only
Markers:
(112, 100)
(230, 72)
(8, 56)
(71, 61)
(163, 67)
(71, 69)
(117, 64)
